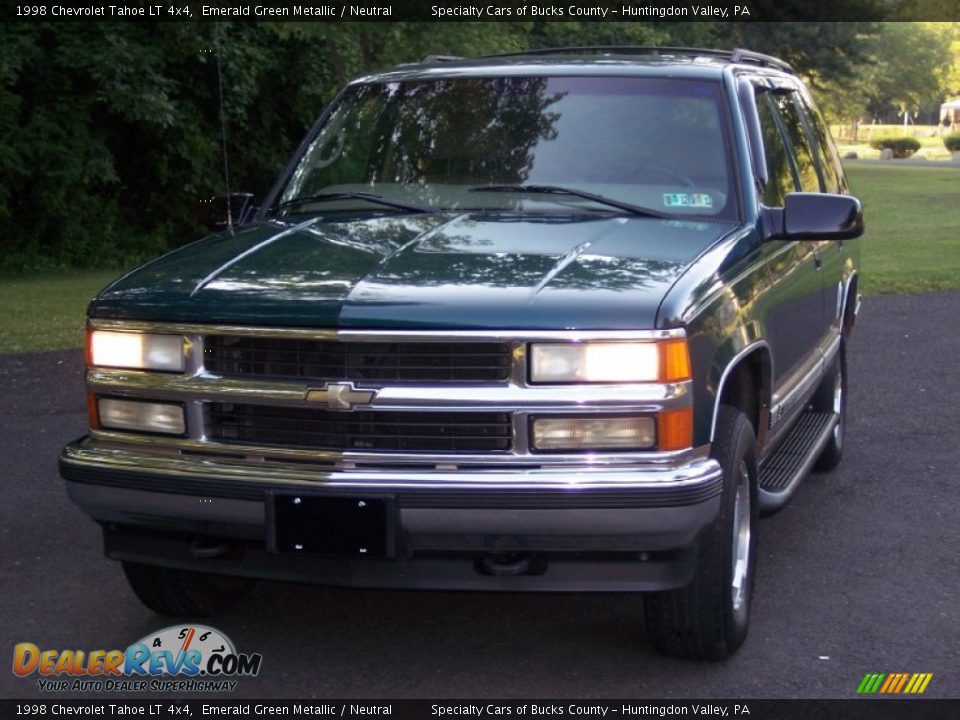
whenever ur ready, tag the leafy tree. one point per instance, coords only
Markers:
(907, 75)
(112, 131)
(918, 10)
(950, 74)
(905, 71)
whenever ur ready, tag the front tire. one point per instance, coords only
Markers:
(183, 593)
(708, 619)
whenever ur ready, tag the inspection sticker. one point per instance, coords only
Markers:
(688, 200)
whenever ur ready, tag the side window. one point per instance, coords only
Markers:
(826, 151)
(802, 154)
(781, 180)
(779, 172)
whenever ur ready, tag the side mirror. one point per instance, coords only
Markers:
(224, 210)
(814, 216)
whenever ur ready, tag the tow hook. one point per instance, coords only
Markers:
(208, 549)
(511, 564)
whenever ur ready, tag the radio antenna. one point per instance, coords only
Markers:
(223, 131)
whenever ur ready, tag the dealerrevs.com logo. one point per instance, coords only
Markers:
(176, 659)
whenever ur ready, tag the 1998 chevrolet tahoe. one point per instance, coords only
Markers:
(559, 320)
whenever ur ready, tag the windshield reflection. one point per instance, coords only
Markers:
(656, 143)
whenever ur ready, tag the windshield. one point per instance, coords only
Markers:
(649, 142)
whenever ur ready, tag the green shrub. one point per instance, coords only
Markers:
(902, 147)
(952, 142)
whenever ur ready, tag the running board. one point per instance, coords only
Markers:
(781, 473)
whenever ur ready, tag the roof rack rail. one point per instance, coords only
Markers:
(741, 55)
(441, 58)
(738, 55)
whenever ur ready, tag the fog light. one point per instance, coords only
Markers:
(140, 416)
(593, 433)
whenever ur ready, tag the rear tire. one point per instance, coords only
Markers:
(831, 396)
(708, 619)
(183, 593)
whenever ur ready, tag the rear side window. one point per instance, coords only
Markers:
(780, 176)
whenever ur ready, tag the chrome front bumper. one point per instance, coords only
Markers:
(166, 502)
(606, 520)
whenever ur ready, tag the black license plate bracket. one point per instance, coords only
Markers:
(330, 525)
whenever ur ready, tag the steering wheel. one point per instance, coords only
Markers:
(338, 141)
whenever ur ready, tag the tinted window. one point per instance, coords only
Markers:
(802, 154)
(780, 177)
(826, 151)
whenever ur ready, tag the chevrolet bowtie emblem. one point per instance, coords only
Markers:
(341, 396)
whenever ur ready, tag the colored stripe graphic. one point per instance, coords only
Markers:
(918, 683)
(870, 683)
(894, 683)
(892, 680)
(903, 681)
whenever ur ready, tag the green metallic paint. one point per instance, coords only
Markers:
(740, 294)
(501, 271)
(481, 270)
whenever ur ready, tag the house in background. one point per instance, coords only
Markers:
(950, 113)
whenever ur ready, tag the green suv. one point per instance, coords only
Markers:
(565, 320)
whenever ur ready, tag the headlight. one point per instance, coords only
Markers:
(140, 416)
(593, 433)
(138, 351)
(620, 362)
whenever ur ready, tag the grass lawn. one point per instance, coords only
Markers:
(47, 312)
(912, 243)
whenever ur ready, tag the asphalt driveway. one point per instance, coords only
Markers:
(860, 573)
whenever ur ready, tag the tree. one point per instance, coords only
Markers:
(115, 128)
(905, 70)
(908, 73)
(950, 74)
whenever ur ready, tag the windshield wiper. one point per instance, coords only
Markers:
(558, 190)
(369, 197)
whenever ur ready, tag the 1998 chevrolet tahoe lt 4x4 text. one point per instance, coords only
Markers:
(559, 320)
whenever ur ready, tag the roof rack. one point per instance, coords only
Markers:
(441, 58)
(738, 55)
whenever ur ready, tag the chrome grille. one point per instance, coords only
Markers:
(374, 362)
(385, 431)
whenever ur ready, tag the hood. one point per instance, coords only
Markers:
(480, 271)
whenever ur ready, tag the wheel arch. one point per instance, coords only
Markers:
(850, 302)
(746, 383)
